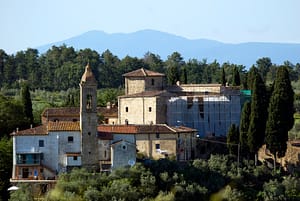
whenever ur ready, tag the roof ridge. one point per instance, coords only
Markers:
(144, 72)
(172, 129)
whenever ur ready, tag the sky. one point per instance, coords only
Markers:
(32, 23)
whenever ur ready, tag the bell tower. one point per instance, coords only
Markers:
(88, 119)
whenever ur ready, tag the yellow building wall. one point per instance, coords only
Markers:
(177, 146)
(133, 86)
(138, 110)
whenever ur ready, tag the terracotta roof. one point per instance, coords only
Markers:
(117, 129)
(157, 128)
(88, 76)
(62, 111)
(143, 73)
(39, 130)
(183, 129)
(51, 126)
(108, 112)
(74, 112)
(149, 94)
(140, 129)
(63, 126)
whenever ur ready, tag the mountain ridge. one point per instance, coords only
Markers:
(137, 44)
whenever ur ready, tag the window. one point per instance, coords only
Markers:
(75, 158)
(89, 101)
(126, 109)
(29, 159)
(152, 82)
(89, 133)
(150, 109)
(41, 143)
(70, 139)
(157, 135)
(189, 102)
(157, 146)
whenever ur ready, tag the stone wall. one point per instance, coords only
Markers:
(123, 154)
(134, 85)
(136, 110)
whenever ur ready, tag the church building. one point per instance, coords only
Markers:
(73, 137)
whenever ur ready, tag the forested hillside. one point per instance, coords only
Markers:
(53, 79)
(60, 68)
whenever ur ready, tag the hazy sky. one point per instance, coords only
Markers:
(31, 23)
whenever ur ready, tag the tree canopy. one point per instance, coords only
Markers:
(281, 111)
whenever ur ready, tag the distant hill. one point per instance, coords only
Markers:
(164, 44)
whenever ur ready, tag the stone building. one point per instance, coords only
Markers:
(61, 142)
(123, 154)
(209, 108)
(155, 141)
(152, 120)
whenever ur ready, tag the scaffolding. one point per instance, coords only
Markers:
(210, 113)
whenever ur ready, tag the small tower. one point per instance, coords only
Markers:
(88, 119)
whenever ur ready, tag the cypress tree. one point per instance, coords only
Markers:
(233, 139)
(184, 76)
(280, 114)
(27, 104)
(256, 131)
(223, 77)
(251, 76)
(236, 80)
(244, 126)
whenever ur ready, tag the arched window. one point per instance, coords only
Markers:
(89, 101)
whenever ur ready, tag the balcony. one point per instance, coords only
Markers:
(29, 158)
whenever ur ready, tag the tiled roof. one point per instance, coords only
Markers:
(108, 112)
(140, 129)
(63, 126)
(183, 129)
(74, 112)
(62, 111)
(143, 73)
(157, 128)
(117, 129)
(51, 126)
(39, 130)
(148, 94)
